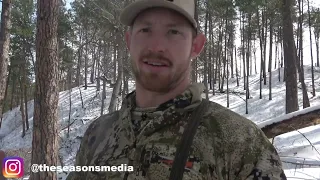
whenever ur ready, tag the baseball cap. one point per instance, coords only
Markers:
(184, 7)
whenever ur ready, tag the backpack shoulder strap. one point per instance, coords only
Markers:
(183, 149)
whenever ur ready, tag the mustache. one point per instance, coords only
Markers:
(160, 56)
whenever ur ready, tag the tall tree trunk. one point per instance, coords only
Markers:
(289, 58)
(270, 59)
(299, 62)
(115, 58)
(103, 96)
(305, 99)
(69, 84)
(26, 106)
(276, 54)
(70, 99)
(250, 63)
(213, 70)
(264, 24)
(243, 54)
(255, 57)
(205, 74)
(117, 87)
(279, 71)
(45, 119)
(281, 55)
(210, 52)
(225, 57)
(194, 63)
(5, 95)
(231, 59)
(247, 81)
(300, 34)
(235, 59)
(22, 106)
(311, 53)
(247, 59)
(79, 64)
(261, 53)
(224, 61)
(86, 60)
(4, 47)
(25, 88)
(228, 99)
(218, 60)
(316, 37)
(126, 75)
(14, 89)
(25, 84)
(248, 54)
(219, 56)
(104, 51)
(94, 59)
(282, 50)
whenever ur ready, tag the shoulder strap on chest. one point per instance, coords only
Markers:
(183, 149)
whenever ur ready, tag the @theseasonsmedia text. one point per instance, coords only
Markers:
(13, 167)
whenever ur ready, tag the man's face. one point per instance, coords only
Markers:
(161, 46)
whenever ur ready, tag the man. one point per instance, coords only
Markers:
(145, 133)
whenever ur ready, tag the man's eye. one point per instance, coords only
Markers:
(172, 31)
(145, 30)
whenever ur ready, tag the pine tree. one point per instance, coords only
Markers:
(45, 135)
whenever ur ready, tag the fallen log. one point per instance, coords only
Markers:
(292, 124)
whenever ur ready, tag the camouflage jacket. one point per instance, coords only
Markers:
(226, 145)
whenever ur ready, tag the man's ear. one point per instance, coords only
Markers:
(128, 39)
(197, 45)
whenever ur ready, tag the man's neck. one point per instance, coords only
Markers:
(146, 98)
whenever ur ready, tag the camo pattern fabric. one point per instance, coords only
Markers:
(226, 145)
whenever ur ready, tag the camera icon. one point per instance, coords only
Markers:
(13, 167)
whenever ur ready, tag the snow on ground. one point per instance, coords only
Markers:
(300, 158)
(261, 110)
(295, 150)
(287, 116)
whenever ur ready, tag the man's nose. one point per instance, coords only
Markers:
(157, 43)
